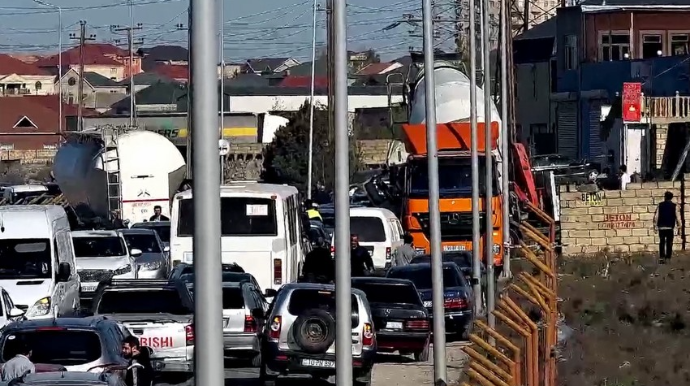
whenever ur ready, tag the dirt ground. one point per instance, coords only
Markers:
(630, 317)
(402, 371)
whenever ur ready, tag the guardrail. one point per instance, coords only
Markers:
(521, 350)
(675, 108)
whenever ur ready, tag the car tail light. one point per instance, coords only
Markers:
(332, 251)
(455, 304)
(367, 335)
(388, 253)
(417, 325)
(277, 272)
(274, 328)
(249, 324)
(189, 334)
(51, 329)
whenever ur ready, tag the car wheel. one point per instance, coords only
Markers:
(423, 355)
(265, 379)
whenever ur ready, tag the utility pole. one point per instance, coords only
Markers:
(129, 30)
(82, 42)
(329, 65)
(525, 15)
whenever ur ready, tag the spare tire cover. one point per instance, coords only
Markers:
(314, 331)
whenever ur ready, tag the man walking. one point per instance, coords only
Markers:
(360, 259)
(665, 220)
(20, 365)
(404, 253)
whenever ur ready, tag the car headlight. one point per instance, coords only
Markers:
(123, 270)
(151, 265)
(496, 249)
(40, 308)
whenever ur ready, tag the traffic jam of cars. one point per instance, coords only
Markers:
(74, 298)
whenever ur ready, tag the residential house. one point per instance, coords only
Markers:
(163, 54)
(144, 80)
(19, 78)
(601, 45)
(105, 59)
(27, 126)
(230, 70)
(99, 92)
(378, 68)
(268, 65)
(158, 97)
(174, 72)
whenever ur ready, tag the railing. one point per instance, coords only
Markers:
(670, 108)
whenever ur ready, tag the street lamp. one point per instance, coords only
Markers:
(59, 9)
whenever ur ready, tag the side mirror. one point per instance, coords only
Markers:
(258, 313)
(15, 313)
(135, 252)
(269, 293)
(166, 248)
(64, 272)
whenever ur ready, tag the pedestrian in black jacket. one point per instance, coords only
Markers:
(319, 266)
(139, 371)
(665, 220)
(360, 259)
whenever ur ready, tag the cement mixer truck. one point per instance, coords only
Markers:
(107, 171)
(455, 183)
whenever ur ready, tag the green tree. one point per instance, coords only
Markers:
(286, 157)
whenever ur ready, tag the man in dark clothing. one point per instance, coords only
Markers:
(319, 266)
(360, 259)
(665, 220)
(139, 371)
(158, 214)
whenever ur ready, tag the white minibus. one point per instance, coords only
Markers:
(260, 230)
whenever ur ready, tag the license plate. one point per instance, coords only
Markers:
(89, 287)
(156, 341)
(394, 325)
(428, 303)
(454, 248)
(318, 363)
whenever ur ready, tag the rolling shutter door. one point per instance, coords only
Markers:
(567, 129)
(595, 144)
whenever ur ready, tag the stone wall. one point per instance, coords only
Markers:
(42, 156)
(617, 221)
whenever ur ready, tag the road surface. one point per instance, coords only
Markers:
(391, 369)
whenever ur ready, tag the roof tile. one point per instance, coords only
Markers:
(10, 65)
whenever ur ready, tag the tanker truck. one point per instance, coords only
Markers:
(455, 179)
(103, 171)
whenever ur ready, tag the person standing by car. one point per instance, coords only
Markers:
(319, 266)
(404, 253)
(139, 371)
(20, 365)
(360, 259)
(665, 220)
(625, 177)
(158, 214)
(312, 211)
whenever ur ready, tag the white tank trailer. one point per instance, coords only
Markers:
(150, 169)
(452, 100)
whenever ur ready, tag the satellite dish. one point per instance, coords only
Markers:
(223, 147)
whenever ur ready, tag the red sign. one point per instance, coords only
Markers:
(156, 341)
(632, 102)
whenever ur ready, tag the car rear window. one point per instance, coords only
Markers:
(232, 299)
(54, 346)
(147, 243)
(387, 293)
(369, 229)
(157, 301)
(99, 246)
(307, 299)
(422, 277)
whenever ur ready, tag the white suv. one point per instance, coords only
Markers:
(299, 337)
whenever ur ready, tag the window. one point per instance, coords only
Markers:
(292, 219)
(38, 86)
(454, 174)
(233, 298)
(652, 46)
(99, 246)
(421, 277)
(385, 293)
(306, 299)
(679, 44)
(162, 230)
(25, 259)
(72, 81)
(55, 346)
(369, 229)
(240, 216)
(570, 52)
(614, 46)
(145, 243)
(166, 301)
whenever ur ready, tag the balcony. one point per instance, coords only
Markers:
(15, 91)
(665, 110)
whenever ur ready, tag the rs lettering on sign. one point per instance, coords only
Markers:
(156, 342)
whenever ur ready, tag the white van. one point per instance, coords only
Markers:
(37, 264)
(19, 192)
(260, 230)
(379, 232)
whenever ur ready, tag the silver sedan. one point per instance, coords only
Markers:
(154, 262)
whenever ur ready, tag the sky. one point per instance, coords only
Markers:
(252, 28)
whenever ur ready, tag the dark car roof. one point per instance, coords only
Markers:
(88, 322)
(420, 267)
(380, 280)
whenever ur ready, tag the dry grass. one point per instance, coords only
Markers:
(630, 317)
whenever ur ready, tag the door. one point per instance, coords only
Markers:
(595, 144)
(634, 145)
(566, 114)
